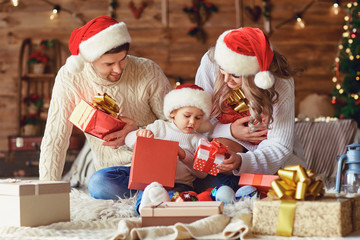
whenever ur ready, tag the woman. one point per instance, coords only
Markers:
(261, 133)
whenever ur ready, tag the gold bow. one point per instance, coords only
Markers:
(238, 99)
(295, 183)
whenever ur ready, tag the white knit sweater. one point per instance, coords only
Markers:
(282, 147)
(139, 93)
(165, 130)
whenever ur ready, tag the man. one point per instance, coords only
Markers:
(100, 64)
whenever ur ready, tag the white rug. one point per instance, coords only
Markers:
(95, 219)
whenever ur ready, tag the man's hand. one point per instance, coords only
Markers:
(117, 139)
(242, 132)
(145, 133)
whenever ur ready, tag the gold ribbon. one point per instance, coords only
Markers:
(295, 183)
(238, 99)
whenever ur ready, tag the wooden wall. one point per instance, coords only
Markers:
(162, 36)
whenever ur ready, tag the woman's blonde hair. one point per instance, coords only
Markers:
(261, 101)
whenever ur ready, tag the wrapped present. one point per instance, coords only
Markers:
(297, 205)
(169, 213)
(33, 203)
(208, 155)
(154, 160)
(262, 182)
(94, 121)
(326, 217)
(355, 206)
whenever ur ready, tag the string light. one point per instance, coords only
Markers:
(15, 3)
(300, 21)
(54, 12)
(178, 81)
(334, 79)
(336, 8)
(341, 91)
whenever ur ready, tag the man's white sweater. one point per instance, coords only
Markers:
(139, 93)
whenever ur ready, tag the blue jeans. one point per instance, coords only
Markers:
(110, 183)
(210, 181)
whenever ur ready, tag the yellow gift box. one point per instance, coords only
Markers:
(286, 212)
(327, 217)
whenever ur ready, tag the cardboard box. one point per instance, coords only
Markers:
(260, 181)
(169, 213)
(154, 160)
(33, 203)
(326, 217)
(208, 157)
(93, 121)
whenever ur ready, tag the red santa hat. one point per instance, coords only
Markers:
(246, 51)
(92, 40)
(187, 95)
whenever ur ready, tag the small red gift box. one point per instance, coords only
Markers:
(93, 121)
(260, 181)
(208, 155)
(154, 160)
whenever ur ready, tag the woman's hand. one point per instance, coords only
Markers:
(242, 132)
(117, 139)
(232, 163)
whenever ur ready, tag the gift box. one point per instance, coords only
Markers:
(326, 217)
(34, 203)
(208, 155)
(169, 213)
(154, 160)
(260, 181)
(355, 206)
(93, 121)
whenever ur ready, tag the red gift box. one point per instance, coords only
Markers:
(260, 181)
(208, 155)
(154, 160)
(93, 121)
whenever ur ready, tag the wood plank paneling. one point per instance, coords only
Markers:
(312, 48)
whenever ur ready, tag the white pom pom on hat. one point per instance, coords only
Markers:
(92, 40)
(74, 64)
(246, 51)
(264, 80)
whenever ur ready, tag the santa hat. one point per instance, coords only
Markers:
(246, 51)
(187, 95)
(92, 40)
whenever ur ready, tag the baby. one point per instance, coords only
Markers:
(187, 108)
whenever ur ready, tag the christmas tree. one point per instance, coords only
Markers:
(347, 67)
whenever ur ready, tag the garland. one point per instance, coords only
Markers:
(199, 12)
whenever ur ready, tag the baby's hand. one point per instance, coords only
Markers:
(181, 153)
(145, 133)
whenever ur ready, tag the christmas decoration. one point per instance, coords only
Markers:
(347, 67)
(199, 12)
(112, 8)
(137, 10)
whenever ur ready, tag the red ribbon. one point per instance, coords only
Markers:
(215, 148)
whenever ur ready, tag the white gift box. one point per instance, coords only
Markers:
(33, 203)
